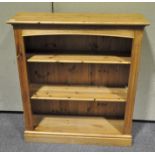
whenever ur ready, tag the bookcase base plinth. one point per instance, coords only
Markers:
(35, 136)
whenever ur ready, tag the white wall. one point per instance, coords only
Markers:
(145, 98)
(10, 97)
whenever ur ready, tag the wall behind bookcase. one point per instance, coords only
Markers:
(10, 97)
(145, 98)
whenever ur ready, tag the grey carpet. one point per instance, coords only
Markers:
(11, 138)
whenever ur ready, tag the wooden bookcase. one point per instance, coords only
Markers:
(78, 75)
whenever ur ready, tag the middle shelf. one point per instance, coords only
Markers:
(80, 93)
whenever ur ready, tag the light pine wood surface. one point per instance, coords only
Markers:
(47, 58)
(126, 32)
(89, 93)
(78, 75)
(90, 130)
(79, 18)
(133, 80)
(23, 76)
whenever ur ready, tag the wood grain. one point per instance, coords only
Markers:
(80, 93)
(133, 80)
(49, 58)
(125, 33)
(92, 74)
(78, 125)
(78, 44)
(98, 130)
(79, 108)
(23, 76)
(35, 136)
(79, 18)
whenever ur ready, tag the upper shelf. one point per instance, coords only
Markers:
(79, 19)
(49, 58)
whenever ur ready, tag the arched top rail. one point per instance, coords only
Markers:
(124, 33)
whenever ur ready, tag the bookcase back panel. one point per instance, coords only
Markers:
(106, 109)
(78, 44)
(79, 74)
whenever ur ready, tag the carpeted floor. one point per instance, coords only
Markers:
(11, 138)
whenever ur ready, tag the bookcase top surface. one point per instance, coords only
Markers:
(79, 19)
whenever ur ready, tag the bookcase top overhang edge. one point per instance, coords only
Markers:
(79, 19)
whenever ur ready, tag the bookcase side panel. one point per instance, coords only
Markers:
(22, 68)
(135, 58)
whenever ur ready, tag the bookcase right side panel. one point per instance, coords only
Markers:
(133, 76)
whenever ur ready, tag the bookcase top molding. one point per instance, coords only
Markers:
(79, 19)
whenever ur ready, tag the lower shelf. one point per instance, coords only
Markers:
(82, 130)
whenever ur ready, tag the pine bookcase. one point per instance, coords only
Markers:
(78, 75)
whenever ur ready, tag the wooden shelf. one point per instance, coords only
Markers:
(78, 125)
(60, 129)
(48, 58)
(87, 93)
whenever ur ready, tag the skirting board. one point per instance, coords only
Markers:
(36, 136)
